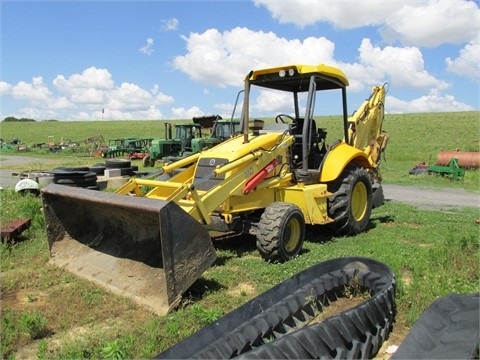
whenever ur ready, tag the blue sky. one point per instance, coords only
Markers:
(69, 60)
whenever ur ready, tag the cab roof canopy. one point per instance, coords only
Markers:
(296, 78)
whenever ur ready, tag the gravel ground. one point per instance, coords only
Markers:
(424, 198)
(12, 164)
(431, 199)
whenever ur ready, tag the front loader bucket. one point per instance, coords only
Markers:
(149, 250)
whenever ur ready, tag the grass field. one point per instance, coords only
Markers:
(413, 138)
(47, 313)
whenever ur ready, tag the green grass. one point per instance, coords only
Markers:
(413, 138)
(433, 253)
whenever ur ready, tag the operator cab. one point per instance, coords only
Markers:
(302, 82)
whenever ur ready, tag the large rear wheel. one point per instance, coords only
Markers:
(350, 206)
(148, 161)
(281, 231)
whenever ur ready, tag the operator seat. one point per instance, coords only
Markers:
(297, 146)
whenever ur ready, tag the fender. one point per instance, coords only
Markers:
(337, 159)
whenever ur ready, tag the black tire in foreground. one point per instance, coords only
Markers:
(281, 231)
(350, 206)
(447, 329)
(276, 324)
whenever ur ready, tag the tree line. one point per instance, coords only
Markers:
(14, 119)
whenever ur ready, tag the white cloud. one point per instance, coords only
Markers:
(420, 22)
(149, 113)
(467, 64)
(403, 66)
(225, 110)
(5, 88)
(433, 23)
(433, 102)
(272, 102)
(169, 24)
(130, 95)
(343, 14)
(61, 103)
(148, 48)
(235, 50)
(36, 113)
(87, 93)
(35, 91)
(99, 79)
(182, 113)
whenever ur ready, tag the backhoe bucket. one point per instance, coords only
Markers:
(149, 250)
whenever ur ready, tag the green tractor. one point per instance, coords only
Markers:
(188, 138)
(173, 146)
(221, 130)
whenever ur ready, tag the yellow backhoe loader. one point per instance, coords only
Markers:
(150, 239)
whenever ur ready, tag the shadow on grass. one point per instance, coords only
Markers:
(239, 243)
(317, 234)
(200, 288)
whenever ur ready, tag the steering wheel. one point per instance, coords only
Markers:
(281, 118)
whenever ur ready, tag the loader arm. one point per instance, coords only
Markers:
(365, 126)
(228, 179)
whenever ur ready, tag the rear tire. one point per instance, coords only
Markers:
(350, 206)
(148, 161)
(281, 231)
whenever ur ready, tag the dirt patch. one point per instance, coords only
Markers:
(395, 338)
(24, 299)
(55, 341)
(243, 289)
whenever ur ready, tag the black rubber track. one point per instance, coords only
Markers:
(275, 324)
(447, 329)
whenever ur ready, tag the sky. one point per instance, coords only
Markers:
(162, 60)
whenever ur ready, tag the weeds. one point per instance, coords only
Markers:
(114, 350)
(10, 333)
(42, 351)
(354, 290)
(35, 324)
(205, 316)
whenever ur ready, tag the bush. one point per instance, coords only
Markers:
(35, 324)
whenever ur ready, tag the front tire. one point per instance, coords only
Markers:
(281, 231)
(350, 206)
